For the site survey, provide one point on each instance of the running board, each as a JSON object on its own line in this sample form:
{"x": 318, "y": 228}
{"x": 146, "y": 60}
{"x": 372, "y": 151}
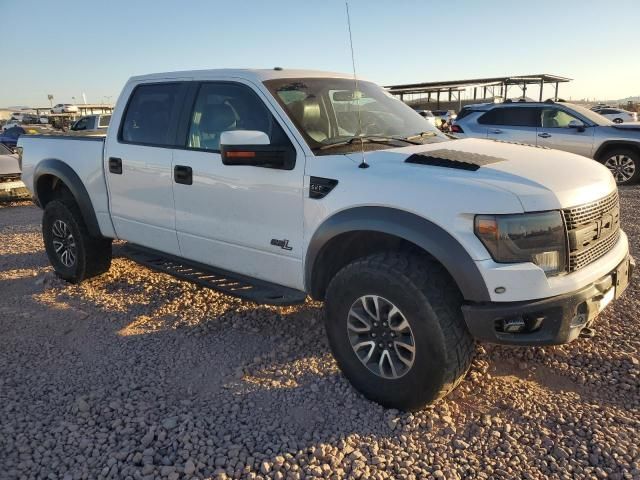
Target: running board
{"x": 223, "y": 281}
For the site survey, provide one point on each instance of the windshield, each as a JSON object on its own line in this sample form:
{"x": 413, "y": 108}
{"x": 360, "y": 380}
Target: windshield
{"x": 4, "y": 150}
{"x": 590, "y": 115}
{"x": 330, "y": 111}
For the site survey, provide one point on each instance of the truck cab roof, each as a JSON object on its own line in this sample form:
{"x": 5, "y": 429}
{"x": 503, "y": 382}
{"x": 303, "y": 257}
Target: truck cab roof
{"x": 256, "y": 75}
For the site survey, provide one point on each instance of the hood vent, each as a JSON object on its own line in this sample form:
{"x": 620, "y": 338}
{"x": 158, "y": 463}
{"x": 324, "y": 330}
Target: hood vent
{"x": 453, "y": 159}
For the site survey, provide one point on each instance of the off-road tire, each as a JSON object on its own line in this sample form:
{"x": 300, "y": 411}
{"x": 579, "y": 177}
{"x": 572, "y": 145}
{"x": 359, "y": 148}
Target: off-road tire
{"x": 429, "y": 300}
{"x": 93, "y": 255}
{"x": 623, "y": 152}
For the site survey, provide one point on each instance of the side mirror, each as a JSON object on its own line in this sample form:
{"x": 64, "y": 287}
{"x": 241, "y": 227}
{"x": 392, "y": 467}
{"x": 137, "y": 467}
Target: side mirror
{"x": 253, "y": 148}
{"x": 577, "y": 124}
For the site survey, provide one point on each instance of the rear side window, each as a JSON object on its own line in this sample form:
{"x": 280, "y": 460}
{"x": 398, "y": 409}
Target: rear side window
{"x": 149, "y": 115}
{"x": 104, "y": 120}
{"x": 512, "y": 116}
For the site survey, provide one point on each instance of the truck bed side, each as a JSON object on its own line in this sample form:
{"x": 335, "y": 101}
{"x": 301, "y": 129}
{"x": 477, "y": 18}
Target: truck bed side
{"x": 83, "y": 155}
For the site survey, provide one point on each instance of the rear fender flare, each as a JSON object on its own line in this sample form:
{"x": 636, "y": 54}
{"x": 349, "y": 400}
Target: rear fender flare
{"x": 62, "y": 171}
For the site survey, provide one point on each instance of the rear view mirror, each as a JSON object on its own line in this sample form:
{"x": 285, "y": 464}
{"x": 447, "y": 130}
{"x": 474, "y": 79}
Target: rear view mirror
{"x": 577, "y": 124}
{"x": 253, "y": 148}
{"x": 346, "y": 96}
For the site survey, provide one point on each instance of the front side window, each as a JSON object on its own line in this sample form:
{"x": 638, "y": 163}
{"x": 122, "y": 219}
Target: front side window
{"x": 81, "y": 124}
{"x": 149, "y": 114}
{"x": 331, "y": 111}
{"x": 220, "y": 107}
{"x": 556, "y": 118}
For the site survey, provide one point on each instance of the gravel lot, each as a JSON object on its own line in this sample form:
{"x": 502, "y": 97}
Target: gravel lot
{"x": 138, "y": 375}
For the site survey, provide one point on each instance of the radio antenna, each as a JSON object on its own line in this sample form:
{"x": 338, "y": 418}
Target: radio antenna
{"x": 363, "y": 163}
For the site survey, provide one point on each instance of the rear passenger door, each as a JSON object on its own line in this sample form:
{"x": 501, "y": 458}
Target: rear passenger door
{"x": 512, "y": 124}
{"x": 138, "y": 166}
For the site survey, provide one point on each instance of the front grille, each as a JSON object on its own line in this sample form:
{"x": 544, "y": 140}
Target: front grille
{"x": 581, "y": 259}
{"x": 593, "y": 229}
{"x": 11, "y": 177}
{"x": 587, "y": 213}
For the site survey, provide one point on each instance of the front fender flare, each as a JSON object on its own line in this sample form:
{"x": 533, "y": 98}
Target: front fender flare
{"x": 59, "y": 169}
{"x": 410, "y": 227}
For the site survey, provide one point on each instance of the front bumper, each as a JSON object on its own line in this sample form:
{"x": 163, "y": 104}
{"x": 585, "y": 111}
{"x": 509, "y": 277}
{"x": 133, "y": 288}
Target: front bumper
{"x": 14, "y": 190}
{"x": 548, "y": 321}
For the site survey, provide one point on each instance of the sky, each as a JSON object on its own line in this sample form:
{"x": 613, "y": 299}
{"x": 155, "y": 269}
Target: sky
{"x": 68, "y": 47}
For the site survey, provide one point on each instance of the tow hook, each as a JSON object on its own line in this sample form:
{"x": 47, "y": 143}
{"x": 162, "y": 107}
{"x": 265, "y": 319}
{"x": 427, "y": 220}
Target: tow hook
{"x": 587, "y": 332}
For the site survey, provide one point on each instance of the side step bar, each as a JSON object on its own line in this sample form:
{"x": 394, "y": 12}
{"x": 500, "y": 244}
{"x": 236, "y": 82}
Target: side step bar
{"x": 223, "y": 281}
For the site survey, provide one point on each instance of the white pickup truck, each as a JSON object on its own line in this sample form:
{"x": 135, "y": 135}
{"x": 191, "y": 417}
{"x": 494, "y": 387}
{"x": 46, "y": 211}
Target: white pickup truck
{"x": 275, "y": 185}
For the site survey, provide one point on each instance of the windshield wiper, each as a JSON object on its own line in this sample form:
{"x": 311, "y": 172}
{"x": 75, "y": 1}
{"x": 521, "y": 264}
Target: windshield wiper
{"x": 427, "y": 133}
{"x": 368, "y": 139}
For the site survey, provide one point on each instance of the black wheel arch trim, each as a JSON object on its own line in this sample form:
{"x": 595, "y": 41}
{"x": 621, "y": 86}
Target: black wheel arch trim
{"x": 410, "y": 227}
{"x": 68, "y": 176}
{"x": 616, "y": 143}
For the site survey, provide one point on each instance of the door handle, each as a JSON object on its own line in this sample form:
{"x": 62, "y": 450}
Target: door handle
{"x": 115, "y": 165}
{"x": 183, "y": 174}
{"x": 496, "y": 130}
{"x": 544, "y": 135}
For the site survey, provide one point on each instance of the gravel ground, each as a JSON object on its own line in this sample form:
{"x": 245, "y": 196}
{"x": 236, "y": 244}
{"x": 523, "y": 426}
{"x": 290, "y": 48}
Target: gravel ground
{"x": 137, "y": 375}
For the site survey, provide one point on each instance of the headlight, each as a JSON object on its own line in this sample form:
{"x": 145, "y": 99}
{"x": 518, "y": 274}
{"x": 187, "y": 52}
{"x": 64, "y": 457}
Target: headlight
{"x": 530, "y": 237}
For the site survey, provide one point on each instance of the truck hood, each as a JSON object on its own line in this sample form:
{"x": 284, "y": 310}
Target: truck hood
{"x": 541, "y": 178}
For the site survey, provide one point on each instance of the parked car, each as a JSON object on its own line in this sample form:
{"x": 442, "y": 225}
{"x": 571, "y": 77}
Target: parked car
{"x": 446, "y": 115}
{"x": 10, "y": 124}
{"x": 557, "y": 125}
{"x": 10, "y": 136}
{"x": 92, "y": 123}
{"x": 11, "y": 187}
{"x": 64, "y": 108}
{"x": 617, "y": 115}
{"x": 428, "y": 115}
{"x": 252, "y": 182}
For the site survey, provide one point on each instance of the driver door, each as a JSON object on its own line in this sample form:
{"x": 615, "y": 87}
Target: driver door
{"x": 556, "y": 132}
{"x": 242, "y": 218}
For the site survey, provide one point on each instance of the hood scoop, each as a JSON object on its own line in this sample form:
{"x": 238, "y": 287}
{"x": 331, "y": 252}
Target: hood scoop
{"x": 453, "y": 159}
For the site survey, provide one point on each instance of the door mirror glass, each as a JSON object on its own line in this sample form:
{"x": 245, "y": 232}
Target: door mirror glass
{"x": 577, "y": 124}
{"x": 244, "y": 137}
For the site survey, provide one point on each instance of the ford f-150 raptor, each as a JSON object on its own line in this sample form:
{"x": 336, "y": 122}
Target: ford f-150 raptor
{"x": 275, "y": 185}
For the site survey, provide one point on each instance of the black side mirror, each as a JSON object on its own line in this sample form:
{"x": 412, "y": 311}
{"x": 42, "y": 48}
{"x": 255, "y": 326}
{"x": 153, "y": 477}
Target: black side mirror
{"x": 577, "y": 124}
{"x": 250, "y": 147}
{"x": 269, "y": 156}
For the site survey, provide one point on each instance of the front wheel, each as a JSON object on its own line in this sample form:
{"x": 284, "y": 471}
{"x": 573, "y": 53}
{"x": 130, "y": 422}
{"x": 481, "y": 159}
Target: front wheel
{"x": 624, "y": 165}
{"x": 74, "y": 254}
{"x": 396, "y": 329}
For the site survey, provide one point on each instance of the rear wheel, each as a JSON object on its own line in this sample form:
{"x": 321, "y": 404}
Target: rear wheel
{"x": 74, "y": 254}
{"x": 396, "y": 329}
{"x": 624, "y": 165}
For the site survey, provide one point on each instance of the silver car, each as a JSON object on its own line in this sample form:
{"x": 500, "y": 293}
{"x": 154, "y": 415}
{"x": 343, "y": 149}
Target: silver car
{"x": 560, "y": 125}
{"x": 11, "y": 187}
